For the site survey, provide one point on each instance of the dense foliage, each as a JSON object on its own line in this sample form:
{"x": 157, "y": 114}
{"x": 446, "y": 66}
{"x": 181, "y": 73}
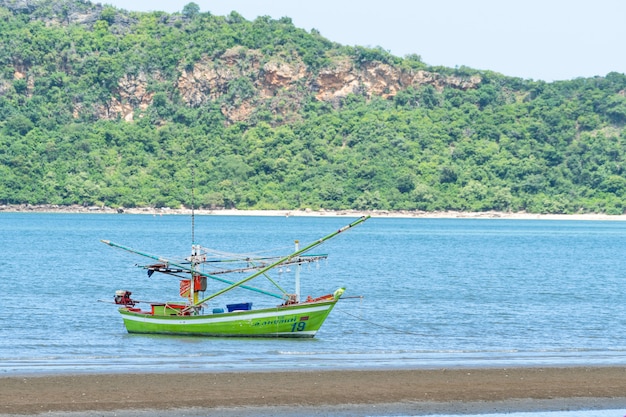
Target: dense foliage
{"x": 507, "y": 144}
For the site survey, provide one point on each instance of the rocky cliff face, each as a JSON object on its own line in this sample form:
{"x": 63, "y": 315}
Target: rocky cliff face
{"x": 240, "y": 76}
{"x": 130, "y": 95}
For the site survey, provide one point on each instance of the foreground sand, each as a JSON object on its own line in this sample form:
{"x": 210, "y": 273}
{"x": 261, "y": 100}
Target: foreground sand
{"x": 346, "y": 392}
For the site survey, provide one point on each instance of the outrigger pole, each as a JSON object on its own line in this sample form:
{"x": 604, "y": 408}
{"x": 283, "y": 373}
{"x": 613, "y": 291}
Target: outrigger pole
{"x": 280, "y": 261}
{"x": 186, "y": 268}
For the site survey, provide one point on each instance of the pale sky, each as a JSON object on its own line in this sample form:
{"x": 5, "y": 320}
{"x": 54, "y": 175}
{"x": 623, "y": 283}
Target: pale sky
{"x": 533, "y": 39}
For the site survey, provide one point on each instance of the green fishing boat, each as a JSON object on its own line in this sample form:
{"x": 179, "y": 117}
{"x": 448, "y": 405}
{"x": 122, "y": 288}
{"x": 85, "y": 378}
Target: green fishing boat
{"x": 290, "y": 317}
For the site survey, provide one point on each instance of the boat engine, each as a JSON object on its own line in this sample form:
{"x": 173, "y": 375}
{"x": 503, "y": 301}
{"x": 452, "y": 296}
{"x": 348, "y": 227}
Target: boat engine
{"x": 123, "y": 297}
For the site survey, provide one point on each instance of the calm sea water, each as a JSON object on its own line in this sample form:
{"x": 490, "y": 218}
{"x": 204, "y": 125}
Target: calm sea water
{"x": 436, "y": 293}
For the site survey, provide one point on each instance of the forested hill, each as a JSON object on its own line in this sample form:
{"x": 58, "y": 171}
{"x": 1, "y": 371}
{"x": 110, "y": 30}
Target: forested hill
{"x": 101, "y": 106}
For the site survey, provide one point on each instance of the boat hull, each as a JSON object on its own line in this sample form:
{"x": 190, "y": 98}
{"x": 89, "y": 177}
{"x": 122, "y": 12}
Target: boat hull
{"x": 294, "y": 321}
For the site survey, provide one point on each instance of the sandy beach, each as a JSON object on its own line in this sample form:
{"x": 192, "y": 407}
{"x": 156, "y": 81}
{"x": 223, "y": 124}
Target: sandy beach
{"x": 50, "y": 208}
{"x": 341, "y": 392}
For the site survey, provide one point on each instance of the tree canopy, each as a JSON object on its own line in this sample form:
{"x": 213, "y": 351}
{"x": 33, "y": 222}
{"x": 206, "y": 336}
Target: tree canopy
{"x": 100, "y": 106}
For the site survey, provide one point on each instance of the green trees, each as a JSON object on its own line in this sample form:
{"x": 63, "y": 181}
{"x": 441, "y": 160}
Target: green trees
{"x": 191, "y": 10}
{"x": 103, "y": 111}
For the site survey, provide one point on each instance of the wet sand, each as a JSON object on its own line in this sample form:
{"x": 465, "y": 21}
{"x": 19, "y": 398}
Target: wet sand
{"x": 315, "y": 393}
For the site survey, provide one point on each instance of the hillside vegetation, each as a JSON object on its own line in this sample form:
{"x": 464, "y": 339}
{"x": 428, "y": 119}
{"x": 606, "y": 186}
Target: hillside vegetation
{"x": 100, "y": 106}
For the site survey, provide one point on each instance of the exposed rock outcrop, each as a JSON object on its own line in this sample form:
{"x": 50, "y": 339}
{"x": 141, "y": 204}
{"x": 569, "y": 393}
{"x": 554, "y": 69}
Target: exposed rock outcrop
{"x": 238, "y": 79}
{"x": 213, "y": 78}
{"x": 130, "y": 95}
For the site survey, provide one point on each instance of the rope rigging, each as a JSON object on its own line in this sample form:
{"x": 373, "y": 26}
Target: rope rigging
{"x": 393, "y": 329}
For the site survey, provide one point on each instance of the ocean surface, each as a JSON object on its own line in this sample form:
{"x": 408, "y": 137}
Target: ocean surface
{"x": 435, "y": 293}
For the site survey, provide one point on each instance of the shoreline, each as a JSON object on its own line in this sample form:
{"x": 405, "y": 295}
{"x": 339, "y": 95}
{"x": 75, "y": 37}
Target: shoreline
{"x": 315, "y": 393}
{"x": 75, "y": 209}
